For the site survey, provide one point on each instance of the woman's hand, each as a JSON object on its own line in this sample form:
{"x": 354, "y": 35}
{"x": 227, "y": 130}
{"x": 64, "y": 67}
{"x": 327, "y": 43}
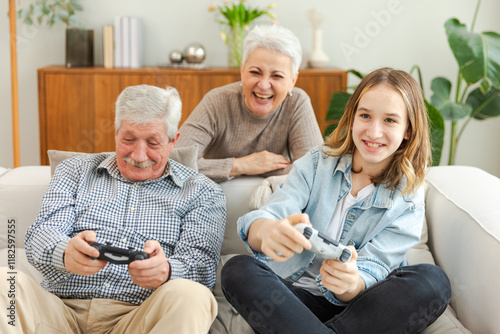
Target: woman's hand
{"x": 258, "y": 163}
{"x": 278, "y": 239}
{"x": 342, "y": 278}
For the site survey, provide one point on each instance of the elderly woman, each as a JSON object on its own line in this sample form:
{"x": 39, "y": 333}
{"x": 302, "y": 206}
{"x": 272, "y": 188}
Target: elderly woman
{"x": 260, "y": 125}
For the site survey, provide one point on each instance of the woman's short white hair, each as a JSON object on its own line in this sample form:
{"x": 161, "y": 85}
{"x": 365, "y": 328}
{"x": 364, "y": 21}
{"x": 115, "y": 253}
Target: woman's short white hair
{"x": 274, "y": 38}
{"x": 144, "y": 104}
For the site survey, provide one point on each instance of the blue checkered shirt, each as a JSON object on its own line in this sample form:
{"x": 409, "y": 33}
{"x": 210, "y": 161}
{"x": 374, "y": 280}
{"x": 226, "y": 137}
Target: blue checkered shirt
{"x": 183, "y": 210}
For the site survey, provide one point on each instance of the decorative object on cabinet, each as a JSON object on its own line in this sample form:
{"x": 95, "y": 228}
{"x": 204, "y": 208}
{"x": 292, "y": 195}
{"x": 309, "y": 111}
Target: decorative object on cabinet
{"x": 195, "y": 53}
{"x": 79, "y": 47}
{"x": 235, "y": 18}
{"x": 176, "y": 57}
{"x": 318, "y": 57}
{"x": 76, "y": 107}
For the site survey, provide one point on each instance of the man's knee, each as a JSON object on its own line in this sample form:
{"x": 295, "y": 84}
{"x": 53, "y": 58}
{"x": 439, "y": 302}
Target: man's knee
{"x": 188, "y": 293}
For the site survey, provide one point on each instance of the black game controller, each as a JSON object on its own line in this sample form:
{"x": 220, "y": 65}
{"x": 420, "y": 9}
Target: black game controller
{"x": 117, "y": 255}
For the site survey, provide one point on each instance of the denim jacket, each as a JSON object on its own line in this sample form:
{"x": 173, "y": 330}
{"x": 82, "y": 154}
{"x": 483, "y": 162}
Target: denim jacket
{"x": 382, "y": 227}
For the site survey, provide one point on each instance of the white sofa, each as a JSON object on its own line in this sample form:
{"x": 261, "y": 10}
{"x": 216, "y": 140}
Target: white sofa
{"x": 463, "y": 218}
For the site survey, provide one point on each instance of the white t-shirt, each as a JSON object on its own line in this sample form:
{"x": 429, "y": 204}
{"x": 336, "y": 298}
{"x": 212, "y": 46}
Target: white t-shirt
{"x": 308, "y": 280}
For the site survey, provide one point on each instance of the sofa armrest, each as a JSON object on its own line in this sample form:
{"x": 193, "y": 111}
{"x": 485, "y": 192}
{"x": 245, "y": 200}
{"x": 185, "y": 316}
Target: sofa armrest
{"x": 21, "y": 191}
{"x": 463, "y": 210}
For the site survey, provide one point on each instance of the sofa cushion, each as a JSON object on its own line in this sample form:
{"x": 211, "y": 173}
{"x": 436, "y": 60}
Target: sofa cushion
{"x": 188, "y": 156}
{"x": 238, "y": 192}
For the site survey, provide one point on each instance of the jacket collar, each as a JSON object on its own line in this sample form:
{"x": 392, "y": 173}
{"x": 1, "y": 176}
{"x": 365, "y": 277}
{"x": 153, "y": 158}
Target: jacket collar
{"x": 381, "y": 197}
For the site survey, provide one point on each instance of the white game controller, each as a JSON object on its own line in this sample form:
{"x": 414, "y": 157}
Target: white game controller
{"x": 323, "y": 246}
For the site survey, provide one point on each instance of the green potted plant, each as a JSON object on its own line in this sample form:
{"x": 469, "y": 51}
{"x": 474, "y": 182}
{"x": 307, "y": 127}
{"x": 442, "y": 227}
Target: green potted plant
{"x": 79, "y": 41}
{"x": 235, "y": 19}
{"x": 477, "y": 91}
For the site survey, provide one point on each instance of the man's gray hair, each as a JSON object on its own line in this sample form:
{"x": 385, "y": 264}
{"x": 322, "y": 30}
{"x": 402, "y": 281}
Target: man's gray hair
{"x": 144, "y": 104}
{"x": 274, "y": 38}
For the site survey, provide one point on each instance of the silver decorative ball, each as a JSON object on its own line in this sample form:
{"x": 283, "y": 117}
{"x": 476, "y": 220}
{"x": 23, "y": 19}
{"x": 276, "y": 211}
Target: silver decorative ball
{"x": 176, "y": 57}
{"x": 195, "y": 53}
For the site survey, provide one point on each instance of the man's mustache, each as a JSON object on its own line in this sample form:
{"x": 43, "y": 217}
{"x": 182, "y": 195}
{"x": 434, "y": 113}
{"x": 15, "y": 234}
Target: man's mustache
{"x": 141, "y": 164}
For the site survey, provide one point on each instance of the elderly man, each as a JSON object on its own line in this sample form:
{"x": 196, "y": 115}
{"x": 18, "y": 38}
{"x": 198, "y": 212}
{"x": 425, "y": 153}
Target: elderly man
{"x": 134, "y": 198}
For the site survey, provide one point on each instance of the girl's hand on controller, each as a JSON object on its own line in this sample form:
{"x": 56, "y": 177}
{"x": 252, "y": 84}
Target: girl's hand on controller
{"x": 278, "y": 239}
{"x": 342, "y": 279}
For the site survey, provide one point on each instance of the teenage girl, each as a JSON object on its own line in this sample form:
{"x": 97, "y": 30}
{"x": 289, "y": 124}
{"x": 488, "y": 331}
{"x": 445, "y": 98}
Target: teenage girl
{"x": 363, "y": 188}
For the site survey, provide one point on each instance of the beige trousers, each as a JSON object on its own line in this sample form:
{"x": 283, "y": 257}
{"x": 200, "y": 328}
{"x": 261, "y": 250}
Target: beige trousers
{"x": 178, "y": 306}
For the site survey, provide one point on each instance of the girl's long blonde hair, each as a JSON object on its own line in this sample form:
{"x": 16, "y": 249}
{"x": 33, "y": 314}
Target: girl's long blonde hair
{"x": 412, "y": 156}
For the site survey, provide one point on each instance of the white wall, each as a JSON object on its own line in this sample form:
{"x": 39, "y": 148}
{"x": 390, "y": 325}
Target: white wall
{"x": 401, "y": 33}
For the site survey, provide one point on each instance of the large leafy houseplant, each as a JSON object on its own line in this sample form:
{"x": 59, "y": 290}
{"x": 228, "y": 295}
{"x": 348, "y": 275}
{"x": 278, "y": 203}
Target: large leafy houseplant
{"x": 477, "y": 92}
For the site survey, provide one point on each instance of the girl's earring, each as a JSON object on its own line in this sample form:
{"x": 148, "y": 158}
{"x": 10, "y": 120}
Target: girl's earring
{"x": 290, "y": 93}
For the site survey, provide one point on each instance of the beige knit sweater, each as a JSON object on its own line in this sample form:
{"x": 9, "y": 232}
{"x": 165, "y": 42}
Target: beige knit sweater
{"x": 224, "y": 128}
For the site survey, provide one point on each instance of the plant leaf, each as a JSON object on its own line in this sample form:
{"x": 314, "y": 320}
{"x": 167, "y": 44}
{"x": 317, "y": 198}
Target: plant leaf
{"x": 329, "y": 129}
{"x": 484, "y": 105}
{"x": 356, "y": 73}
{"x": 436, "y": 130}
{"x": 441, "y": 87}
{"x": 337, "y": 106}
{"x": 478, "y": 55}
{"x": 336, "y": 110}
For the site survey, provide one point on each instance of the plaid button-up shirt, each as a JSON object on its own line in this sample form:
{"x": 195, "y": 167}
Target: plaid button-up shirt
{"x": 183, "y": 210}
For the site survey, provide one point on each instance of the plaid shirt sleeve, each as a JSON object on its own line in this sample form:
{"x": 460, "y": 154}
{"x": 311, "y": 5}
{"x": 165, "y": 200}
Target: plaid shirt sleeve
{"x": 197, "y": 252}
{"x": 183, "y": 210}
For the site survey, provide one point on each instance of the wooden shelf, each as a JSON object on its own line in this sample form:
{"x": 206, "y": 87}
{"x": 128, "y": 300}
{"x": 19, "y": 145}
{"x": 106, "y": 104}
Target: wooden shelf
{"x": 76, "y": 105}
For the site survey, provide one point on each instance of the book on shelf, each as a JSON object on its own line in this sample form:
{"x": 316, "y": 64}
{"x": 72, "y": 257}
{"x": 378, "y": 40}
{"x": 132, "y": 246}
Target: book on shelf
{"x": 107, "y": 46}
{"x": 125, "y": 41}
{"x": 135, "y": 42}
{"x": 128, "y": 42}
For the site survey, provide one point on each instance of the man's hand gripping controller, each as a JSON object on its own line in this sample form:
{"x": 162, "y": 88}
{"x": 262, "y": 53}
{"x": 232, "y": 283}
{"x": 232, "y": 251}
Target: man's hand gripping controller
{"x": 117, "y": 255}
{"x": 324, "y": 246}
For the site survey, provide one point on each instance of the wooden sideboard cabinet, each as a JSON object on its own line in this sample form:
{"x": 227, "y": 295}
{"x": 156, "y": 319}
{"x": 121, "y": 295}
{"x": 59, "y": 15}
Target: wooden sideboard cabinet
{"x": 76, "y": 105}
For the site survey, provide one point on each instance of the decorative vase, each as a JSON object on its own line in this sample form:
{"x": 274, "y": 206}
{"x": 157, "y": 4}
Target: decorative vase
{"x": 318, "y": 57}
{"x": 79, "y": 48}
{"x": 235, "y": 40}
